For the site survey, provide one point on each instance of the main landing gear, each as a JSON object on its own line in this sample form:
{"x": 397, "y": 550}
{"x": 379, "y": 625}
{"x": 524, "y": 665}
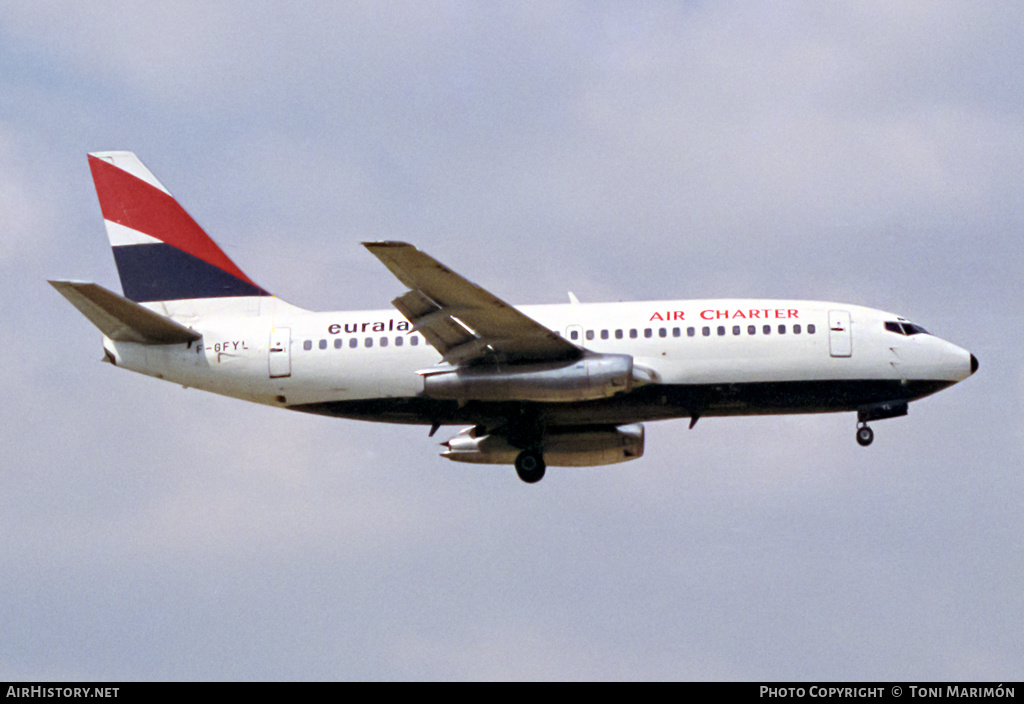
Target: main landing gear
{"x": 864, "y": 434}
{"x": 530, "y": 466}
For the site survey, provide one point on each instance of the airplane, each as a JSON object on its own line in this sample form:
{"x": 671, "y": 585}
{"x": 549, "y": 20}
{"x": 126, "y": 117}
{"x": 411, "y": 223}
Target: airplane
{"x": 535, "y": 386}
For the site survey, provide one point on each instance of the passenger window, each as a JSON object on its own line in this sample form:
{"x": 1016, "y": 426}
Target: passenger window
{"x": 648, "y": 332}
{"x": 337, "y": 343}
{"x": 706, "y": 331}
{"x": 574, "y": 335}
{"x": 662, "y": 332}
{"x": 414, "y": 340}
{"x": 782, "y": 329}
{"x": 590, "y": 334}
{"x": 399, "y": 341}
{"x": 796, "y": 329}
{"x": 323, "y": 344}
{"x": 810, "y": 329}
{"x": 632, "y": 334}
{"x": 369, "y": 342}
{"x": 676, "y": 332}
{"x": 383, "y": 342}
{"x": 618, "y": 334}
{"x": 735, "y": 329}
{"x": 353, "y": 343}
{"x": 307, "y": 345}
{"x": 604, "y": 334}
{"x": 767, "y": 329}
{"x": 751, "y": 329}
{"x": 690, "y": 332}
{"x": 721, "y": 330}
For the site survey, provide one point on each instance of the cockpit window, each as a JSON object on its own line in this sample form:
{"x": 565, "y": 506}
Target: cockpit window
{"x": 904, "y": 328}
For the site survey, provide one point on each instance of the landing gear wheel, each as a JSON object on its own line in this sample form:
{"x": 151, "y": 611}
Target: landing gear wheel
{"x": 530, "y": 466}
{"x": 865, "y": 435}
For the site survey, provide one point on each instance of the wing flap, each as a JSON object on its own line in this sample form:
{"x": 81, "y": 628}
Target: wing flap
{"x": 120, "y": 319}
{"x": 461, "y": 320}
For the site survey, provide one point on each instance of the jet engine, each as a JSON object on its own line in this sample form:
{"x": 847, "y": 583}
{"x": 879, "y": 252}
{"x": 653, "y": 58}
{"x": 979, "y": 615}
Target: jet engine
{"x": 560, "y": 448}
{"x": 591, "y": 377}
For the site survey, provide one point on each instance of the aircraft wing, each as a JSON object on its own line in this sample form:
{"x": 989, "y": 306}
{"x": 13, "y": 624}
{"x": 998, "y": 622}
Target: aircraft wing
{"x": 461, "y": 320}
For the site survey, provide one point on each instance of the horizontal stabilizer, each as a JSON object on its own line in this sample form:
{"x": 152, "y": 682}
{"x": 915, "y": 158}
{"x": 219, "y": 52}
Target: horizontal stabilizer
{"x": 120, "y": 319}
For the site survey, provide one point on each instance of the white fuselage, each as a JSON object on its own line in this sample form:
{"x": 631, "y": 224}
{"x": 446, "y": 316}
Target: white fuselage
{"x": 706, "y": 357}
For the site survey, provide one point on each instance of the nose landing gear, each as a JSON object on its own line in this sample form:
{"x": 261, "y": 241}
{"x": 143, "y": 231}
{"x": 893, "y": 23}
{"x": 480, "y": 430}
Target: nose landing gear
{"x": 876, "y": 411}
{"x": 864, "y": 434}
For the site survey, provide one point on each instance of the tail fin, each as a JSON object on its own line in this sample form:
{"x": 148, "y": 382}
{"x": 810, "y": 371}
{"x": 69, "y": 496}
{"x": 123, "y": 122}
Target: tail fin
{"x": 160, "y": 251}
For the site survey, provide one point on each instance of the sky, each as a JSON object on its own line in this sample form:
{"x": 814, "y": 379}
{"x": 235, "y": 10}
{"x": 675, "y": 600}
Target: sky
{"x": 860, "y": 151}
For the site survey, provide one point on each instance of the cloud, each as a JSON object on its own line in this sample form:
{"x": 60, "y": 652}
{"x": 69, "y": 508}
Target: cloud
{"x": 22, "y": 206}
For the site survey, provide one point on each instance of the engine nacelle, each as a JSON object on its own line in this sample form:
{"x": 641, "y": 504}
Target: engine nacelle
{"x": 570, "y": 448}
{"x": 589, "y": 378}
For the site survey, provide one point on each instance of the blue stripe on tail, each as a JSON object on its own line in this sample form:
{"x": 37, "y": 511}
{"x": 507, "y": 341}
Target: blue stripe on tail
{"x": 160, "y": 272}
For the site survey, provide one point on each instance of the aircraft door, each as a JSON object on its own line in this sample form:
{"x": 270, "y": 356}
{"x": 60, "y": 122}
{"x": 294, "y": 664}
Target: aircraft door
{"x": 840, "y": 338}
{"x": 279, "y": 357}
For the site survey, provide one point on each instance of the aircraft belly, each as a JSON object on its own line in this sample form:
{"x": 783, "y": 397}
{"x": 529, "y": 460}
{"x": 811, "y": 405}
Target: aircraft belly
{"x": 652, "y": 402}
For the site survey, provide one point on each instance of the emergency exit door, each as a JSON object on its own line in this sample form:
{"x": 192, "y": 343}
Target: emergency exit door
{"x": 279, "y": 358}
{"x": 840, "y": 339}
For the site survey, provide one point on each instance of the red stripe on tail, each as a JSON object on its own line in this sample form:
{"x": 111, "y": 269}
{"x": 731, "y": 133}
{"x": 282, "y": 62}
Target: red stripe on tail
{"x": 130, "y": 201}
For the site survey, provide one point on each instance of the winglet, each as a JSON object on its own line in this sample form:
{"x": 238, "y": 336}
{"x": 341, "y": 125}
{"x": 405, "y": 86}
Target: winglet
{"x": 120, "y": 319}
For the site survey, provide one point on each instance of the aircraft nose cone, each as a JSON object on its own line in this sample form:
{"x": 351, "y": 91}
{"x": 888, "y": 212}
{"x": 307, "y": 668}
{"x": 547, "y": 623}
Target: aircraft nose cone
{"x": 974, "y": 364}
